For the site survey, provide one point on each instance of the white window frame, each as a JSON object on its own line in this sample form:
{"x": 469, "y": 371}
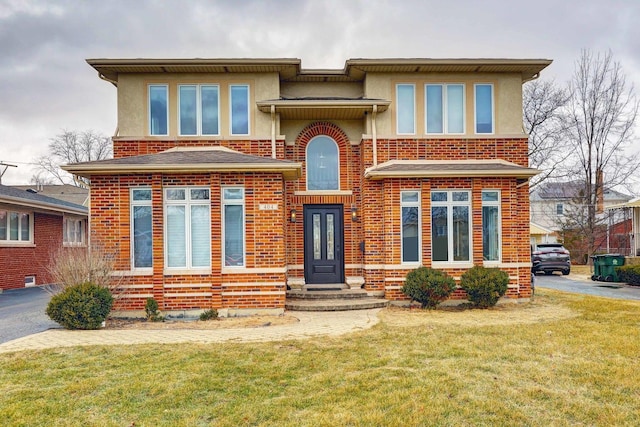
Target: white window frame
{"x": 187, "y": 203}
{"x": 166, "y": 89}
{"x": 19, "y": 242}
{"x": 413, "y": 132}
{"x": 248, "y": 109}
{"x": 133, "y": 203}
{"x": 498, "y": 204}
{"x": 234, "y": 202}
{"x": 306, "y": 157}
{"x": 445, "y": 109}
{"x": 66, "y": 220}
{"x": 449, "y": 204}
{"x": 412, "y": 204}
{"x": 475, "y": 109}
{"x": 198, "y": 109}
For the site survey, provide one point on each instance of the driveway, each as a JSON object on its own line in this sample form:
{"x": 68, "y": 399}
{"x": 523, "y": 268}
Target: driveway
{"x": 22, "y": 313}
{"x": 589, "y": 287}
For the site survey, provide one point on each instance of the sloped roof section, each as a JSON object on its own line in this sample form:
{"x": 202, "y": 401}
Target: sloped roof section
{"x": 448, "y": 168}
{"x": 15, "y": 196}
{"x": 188, "y": 160}
{"x": 66, "y": 192}
{"x": 570, "y": 190}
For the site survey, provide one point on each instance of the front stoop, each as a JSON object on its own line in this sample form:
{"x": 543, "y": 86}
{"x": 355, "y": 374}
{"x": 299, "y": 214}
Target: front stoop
{"x": 331, "y": 300}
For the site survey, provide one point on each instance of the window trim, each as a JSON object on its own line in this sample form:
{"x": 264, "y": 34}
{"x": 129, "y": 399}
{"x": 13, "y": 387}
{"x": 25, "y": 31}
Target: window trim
{"x": 198, "y": 87}
{"x": 445, "y": 110}
{"x": 475, "y": 109}
{"x": 8, "y": 242}
{"x": 306, "y": 157}
{"x": 83, "y": 231}
{"x": 413, "y": 132}
{"x": 449, "y": 204}
{"x": 133, "y": 203}
{"x": 187, "y": 202}
{"x": 498, "y": 204}
{"x": 561, "y": 210}
{"x": 415, "y": 204}
{"x": 231, "y": 86}
{"x": 166, "y": 91}
{"x": 233, "y": 202}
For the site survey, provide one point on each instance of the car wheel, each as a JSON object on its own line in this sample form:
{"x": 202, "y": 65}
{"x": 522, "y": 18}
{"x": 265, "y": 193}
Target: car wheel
{"x": 565, "y": 272}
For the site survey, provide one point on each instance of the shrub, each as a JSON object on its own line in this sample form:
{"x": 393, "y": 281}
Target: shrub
{"x": 209, "y": 314}
{"x": 484, "y": 286}
{"x": 151, "y": 309}
{"x": 629, "y": 274}
{"x": 83, "y": 306}
{"x": 428, "y": 287}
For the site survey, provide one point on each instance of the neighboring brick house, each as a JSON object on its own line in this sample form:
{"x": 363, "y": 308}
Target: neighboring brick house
{"x": 234, "y": 179}
{"x": 33, "y": 229}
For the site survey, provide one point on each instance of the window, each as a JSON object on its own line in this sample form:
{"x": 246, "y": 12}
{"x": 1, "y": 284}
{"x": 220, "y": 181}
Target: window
{"x": 484, "y": 108}
{"x": 491, "y": 225}
{"x": 323, "y": 164}
{"x": 142, "y": 237}
{"x": 444, "y": 108}
{"x": 406, "y": 106}
{"x": 187, "y": 228}
{"x": 15, "y": 226}
{"x": 410, "y": 211}
{"x": 73, "y": 231}
{"x": 158, "y": 110}
{"x": 559, "y": 209}
{"x": 198, "y": 109}
{"x": 233, "y": 226}
{"x": 239, "y": 109}
{"x": 450, "y": 226}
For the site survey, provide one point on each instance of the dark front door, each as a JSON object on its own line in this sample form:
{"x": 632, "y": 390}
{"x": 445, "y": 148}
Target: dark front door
{"x": 323, "y": 242}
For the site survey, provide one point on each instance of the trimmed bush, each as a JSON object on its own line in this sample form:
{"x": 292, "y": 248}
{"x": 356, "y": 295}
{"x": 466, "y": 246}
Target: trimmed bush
{"x": 629, "y": 274}
{"x": 83, "y": 306}
{"x": 209, "y": 314}
{"x": 428, "y": 287}
{"x": 151, "y": 309}
{"x": 484, "y": 286}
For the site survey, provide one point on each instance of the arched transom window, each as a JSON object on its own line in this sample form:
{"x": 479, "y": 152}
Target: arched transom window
{"x": 323, "y": 164}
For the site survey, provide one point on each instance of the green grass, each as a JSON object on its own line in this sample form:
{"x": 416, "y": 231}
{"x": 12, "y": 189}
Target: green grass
{"x": 581, "y": 367}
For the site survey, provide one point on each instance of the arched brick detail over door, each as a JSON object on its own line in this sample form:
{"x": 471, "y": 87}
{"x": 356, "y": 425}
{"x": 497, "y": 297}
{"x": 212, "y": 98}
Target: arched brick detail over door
{"x": 340, "y": 137}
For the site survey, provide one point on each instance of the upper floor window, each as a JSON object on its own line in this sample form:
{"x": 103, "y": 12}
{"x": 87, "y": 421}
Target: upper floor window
{"x": 484, "y": 108}
{"x": 198, "y": 109}
{"x": 490, "y": 225}
{"x": 410, "y": 211}
{"x": 450, "y": 226}
{"x": 444, "y": 108}
{"x": 15, "y": 226}
{"x": 141, "y": 230}
{"x": 406, "y": 108}
{"x": 323, "y": 164}
{"x": 73, "y": 231}
{"x": 239, "y": 95}
{"x": 158, "y": 110}
{"x": 559, "y": 209}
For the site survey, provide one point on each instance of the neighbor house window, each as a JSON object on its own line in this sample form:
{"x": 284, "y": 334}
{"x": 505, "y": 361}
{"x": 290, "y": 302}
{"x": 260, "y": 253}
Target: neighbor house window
{"x": 491, "y": 225}
{"x": 559, "y": 209}
{"x": 15, "y": 226}
{"x": 444, "y": 108}
{"x": 410, "y": 213}
{"x": 141, "y": 231}
{"x": 187, "y": 228}
{"x": 323, "y": 164}
{"x": 450, "y": 226}
{"x": 484, "y": 108}
{"x": 158, "y": 109}
{"x": 73, "y": 231}
{"x": 198, "y": 109}
{"x": 406, "y": 108}
{"x": 239, "y": 109}
{"x": 233, "y": 226}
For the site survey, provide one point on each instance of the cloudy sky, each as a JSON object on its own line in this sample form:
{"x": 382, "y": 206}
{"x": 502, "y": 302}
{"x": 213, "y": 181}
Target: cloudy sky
{"x": 46, "y": 85}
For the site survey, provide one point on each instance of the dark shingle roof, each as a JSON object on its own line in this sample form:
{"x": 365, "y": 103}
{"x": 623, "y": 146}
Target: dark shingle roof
{"x": 66, "y": 192}
{"x": 16, "y": 196}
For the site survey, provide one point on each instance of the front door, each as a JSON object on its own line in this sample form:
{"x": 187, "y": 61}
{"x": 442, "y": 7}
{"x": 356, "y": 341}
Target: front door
{"x": 323, "y": 242}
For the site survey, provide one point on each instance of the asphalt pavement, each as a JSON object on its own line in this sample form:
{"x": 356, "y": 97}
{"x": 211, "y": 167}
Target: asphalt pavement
{"x": 22, "y": 313}
{"x": 584, "y": 285}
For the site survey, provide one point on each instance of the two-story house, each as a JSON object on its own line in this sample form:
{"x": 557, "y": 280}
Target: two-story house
{"x": 235, "y": 179}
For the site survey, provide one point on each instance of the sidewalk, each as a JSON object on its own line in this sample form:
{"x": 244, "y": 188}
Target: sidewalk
{"x": 310, "y": 324}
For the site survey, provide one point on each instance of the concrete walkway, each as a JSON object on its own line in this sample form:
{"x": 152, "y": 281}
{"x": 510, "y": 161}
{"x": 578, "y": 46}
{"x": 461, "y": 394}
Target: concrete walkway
{"x": 310, "y": 324}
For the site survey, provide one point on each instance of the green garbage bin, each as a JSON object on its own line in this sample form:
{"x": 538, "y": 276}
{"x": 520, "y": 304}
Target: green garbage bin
{"x": 597, "y": 270}
{"x": 608, "y": 264}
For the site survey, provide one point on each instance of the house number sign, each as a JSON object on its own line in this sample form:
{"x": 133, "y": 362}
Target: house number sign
{"x": 268, "y": 206}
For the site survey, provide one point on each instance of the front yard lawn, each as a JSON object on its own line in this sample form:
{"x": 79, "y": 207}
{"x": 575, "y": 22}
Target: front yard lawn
{"x": 577, "y": 363}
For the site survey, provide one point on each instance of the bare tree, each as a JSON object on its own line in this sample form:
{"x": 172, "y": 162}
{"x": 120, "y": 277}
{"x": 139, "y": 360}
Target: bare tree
{"x": 72, "y": 147}
{"x": 601, "y": 115}
{"x": 542, "y": 111}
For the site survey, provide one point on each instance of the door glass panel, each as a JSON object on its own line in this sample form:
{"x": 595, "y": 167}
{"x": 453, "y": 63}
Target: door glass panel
{"x": 317, "y": 251}
{"x": 330, "y": 237}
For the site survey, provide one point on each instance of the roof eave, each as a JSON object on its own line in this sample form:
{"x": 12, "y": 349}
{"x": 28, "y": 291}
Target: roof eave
{"x": 41, "y": 205}
{"x": 375, "y": 175}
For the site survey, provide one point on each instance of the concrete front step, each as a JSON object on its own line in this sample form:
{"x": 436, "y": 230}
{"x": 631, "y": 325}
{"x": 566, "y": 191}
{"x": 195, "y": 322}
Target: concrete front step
{"x": 330, "y": 294}
{"x": 333, "y": 304}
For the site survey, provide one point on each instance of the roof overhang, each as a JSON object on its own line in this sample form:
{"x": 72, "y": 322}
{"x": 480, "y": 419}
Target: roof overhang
{"x": 448, "y": 168}
{"x": 197, "y": 160}
{"x": 634, "y": 203}
{"x": 537, "y": 229}
{"x": 35, "y": 204}
{"x": 335, "y": 109}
